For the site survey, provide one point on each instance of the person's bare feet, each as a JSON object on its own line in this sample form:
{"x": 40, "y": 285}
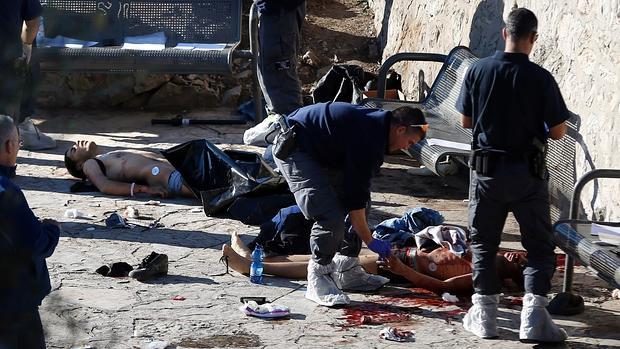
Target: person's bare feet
{"x": 240, "y": 248}
{"x": 235, "y": 261}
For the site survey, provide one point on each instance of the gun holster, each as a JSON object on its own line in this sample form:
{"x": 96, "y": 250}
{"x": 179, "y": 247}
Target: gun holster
{"x": 285, "y": 140}
{"x": 482, "y": 161}
{"x": 538, "y": 160}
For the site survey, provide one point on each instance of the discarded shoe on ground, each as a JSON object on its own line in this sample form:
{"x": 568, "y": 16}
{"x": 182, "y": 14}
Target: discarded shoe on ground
{"x": 155, "y": 264}
{"x": 118, "y": 269}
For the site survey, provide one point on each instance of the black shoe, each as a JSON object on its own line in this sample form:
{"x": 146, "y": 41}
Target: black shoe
{"x": 154, "y": 265}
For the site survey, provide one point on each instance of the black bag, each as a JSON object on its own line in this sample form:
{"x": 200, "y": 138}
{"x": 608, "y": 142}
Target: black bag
{"x": 218, "y": 177}
{"x": 342, "y": 83}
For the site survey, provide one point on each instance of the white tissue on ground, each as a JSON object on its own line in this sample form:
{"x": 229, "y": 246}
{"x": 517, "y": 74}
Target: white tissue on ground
{"x": 447, "y": 297}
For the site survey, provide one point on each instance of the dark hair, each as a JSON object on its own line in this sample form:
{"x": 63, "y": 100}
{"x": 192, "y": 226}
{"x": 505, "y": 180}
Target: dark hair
{"x": 405, "y": 116}
{"x": 72, "y": 167}
{"x": 408, "y": 116}
{"x": 520, "y": 23}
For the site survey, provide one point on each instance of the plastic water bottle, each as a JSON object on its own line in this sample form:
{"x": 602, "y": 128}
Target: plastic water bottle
{"x": 256, "y": 268}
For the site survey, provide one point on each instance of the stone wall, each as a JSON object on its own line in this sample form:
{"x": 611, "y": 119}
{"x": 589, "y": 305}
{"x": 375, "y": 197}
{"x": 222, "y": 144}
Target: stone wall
{"x": 577, "y": 42}
{"x": 144, "y": 91}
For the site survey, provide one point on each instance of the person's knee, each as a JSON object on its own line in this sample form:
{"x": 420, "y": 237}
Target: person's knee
{"x": 333, "y": 223}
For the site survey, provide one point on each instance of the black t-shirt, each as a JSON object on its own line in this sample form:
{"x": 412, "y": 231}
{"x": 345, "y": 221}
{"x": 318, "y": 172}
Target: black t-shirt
{"x": 12, "y": 15}
{"x": 274, "y": 6}
{"x": 512, "y": 101}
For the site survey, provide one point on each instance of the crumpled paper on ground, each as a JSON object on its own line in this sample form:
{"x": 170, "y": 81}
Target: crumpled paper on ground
{"x": 396, "y": 335}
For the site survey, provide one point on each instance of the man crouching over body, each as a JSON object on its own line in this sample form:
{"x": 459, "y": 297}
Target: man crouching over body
{"x": 336, "y": 149}
{"x": 125, "y": 172}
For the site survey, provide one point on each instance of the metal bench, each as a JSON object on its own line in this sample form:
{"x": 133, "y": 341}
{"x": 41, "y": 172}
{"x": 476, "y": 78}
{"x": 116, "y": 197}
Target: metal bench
{"x": 108, "y": 22}
{"x": 438, "y": 105}
{"x": 574, "y": 237}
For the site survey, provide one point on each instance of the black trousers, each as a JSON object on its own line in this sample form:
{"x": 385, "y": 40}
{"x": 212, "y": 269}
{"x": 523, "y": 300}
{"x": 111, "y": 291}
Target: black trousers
{"x": 11, "y": 85}
{"x": 23, "y": 332}
{"x": 511, "y": 188}
{"x": 18, "y": 88}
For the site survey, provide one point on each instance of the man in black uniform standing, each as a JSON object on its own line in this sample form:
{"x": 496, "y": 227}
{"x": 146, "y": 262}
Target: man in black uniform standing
{"x": 513, "y": 107}
{"x": 279, "y": 35}
{"x": 19, "y": 23}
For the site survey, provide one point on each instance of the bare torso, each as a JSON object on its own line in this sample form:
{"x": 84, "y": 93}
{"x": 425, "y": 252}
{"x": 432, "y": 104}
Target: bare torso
{"x": 137, "y": 166}
{"x": 443, "y": 264}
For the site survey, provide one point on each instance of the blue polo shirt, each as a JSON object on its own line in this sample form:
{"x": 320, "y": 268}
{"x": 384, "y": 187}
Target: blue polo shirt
{"x": 512, "y": 101}
{"x": 345, "y": 137}
{"x": 12, "y": 15}
{"x": 274, "y": 6}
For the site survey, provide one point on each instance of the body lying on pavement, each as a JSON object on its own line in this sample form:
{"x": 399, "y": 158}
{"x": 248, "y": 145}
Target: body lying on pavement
{"x": 125, "y": 172}
{"x": 438, "y": 270}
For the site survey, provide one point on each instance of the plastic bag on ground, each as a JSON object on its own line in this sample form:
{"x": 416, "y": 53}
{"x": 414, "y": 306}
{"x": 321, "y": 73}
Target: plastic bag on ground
{"x": 218, "y": 176}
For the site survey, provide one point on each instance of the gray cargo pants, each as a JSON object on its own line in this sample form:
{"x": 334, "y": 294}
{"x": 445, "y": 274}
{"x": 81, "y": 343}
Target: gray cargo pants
{"x": 318, "y": 193}
{"x": 278, "y": 36}
{"x": 512, "y": 188}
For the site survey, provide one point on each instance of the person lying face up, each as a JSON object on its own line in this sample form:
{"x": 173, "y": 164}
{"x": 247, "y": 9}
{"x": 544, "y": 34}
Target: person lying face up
{"x": 124, "y": 172}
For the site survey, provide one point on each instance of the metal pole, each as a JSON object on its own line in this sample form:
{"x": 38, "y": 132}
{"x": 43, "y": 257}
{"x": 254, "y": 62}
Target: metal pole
{"x": 405, "y": 56}
{"x": 253, "y": 33}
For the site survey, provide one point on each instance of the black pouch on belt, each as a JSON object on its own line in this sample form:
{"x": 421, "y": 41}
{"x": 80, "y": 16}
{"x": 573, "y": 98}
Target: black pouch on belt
{"x": 285, "y": 141}
{"x": 483, "y": 162}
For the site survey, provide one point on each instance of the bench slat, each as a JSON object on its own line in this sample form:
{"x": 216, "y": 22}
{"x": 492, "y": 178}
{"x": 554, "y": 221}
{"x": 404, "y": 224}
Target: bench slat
{"x": 110, "y": 60}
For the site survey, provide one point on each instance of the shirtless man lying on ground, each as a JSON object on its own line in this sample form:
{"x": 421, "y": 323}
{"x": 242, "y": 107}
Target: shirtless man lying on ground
{"x": 125, "y": 172}
{"x": 438, "y": 271}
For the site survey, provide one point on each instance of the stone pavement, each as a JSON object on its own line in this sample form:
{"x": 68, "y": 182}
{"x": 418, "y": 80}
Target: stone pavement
{"x": 90, "y": 311}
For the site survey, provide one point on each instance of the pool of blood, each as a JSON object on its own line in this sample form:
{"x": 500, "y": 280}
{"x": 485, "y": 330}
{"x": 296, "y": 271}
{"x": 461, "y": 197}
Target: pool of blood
{"x": 395, "y": 307}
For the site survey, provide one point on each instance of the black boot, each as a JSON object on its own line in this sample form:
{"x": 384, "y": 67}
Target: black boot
{"x": 154, "y": 265}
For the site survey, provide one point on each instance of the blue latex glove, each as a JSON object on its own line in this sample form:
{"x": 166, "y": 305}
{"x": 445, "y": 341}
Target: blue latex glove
{"x": 381, "y": 247}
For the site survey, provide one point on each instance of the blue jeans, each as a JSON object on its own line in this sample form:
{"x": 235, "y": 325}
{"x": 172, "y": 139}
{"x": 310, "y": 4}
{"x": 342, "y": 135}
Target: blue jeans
{"x": 511, "y": 188}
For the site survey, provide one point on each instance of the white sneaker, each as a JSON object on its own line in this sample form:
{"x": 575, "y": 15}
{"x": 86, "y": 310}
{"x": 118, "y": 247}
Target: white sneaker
{"x": 321, "y": 288}
{"x": 32, "y": 138}
{"x": 536, "y": 323}
{"x": 349, "y": 275}
{"x": 481, "y": 319}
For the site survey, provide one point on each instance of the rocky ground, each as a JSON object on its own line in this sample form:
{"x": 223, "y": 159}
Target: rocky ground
{"x": 86, "y": 310}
